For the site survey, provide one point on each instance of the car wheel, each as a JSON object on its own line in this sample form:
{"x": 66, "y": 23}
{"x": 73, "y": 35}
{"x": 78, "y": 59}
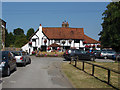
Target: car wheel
{"x": 105, "y": 57}
{"x": 24, "y": 64}
{"x": 8, "y": 72}
{"x": 92, "y": 59}
{"x": 29, "y": 61}
{"x": 15, "y": 69}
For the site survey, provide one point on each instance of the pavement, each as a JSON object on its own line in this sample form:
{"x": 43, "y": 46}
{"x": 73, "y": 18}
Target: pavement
{"x": 41, "y": 73}
{"x": 104, "y": 60}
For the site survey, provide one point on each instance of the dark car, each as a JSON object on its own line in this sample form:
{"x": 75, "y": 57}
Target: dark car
{"x": 118, "y": 56}
{"x": 82, "y": 55}
{"x": 22, "y": 57}
{"x": 95, "y": 52}
{"x": 7, "y": 63}
{"x": 110, "y": 54}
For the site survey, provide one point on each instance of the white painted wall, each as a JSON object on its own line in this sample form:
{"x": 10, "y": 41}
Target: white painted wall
{"x": 40, "y": 42}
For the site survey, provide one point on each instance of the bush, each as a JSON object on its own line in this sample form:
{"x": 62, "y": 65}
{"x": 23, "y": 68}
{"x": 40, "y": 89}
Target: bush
{"x": 49, "y": 54}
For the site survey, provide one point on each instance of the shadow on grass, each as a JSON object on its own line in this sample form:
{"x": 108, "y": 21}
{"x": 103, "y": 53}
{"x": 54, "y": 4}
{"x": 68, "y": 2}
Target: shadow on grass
{"x": 97, "y": 78}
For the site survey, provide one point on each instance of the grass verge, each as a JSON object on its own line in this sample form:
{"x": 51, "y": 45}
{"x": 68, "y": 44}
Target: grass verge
{"x": 80, "y": 79}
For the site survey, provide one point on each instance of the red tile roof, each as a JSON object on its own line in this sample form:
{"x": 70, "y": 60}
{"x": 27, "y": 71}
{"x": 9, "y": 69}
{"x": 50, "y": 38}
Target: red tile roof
{"x": 90, "y": 40}
{"x": 63, "y": 33}
{"x": 66, "y": 33}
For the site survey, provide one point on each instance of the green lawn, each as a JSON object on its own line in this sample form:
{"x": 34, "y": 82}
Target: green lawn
{"x": 80, "y": 79}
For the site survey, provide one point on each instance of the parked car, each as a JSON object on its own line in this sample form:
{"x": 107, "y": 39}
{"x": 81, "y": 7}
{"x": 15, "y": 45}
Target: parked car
{"x": 22, "y": 57}
{"x": 7, "y": 63}
{"x": 95, "y": 52}
{"x": 111, "y": 54}
{"x": 118, "y": 56}
{"x": 82, "y": 55}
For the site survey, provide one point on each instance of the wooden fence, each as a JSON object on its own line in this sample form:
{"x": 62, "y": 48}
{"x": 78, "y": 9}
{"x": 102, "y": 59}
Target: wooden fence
{"x": 11, "y": 49}
{"x": 93, "y": 69}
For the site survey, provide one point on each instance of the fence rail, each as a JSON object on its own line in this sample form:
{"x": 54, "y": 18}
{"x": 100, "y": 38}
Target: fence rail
{"x": 93, "y": 68}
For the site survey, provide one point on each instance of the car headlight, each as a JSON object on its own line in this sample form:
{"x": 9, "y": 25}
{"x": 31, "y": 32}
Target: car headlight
{"x": 2, "y": 64}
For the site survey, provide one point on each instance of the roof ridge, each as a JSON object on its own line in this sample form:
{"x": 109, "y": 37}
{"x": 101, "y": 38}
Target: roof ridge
{"x": 61, "y": 27}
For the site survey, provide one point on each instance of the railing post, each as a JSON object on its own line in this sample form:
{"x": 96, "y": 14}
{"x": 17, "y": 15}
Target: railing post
{"x": 108, "y": 76}
{"x": 83, "y": 65}
{"x": 76, "y": 62}
{"x": 70, "y": 61}
{"x": 93, "y": 70}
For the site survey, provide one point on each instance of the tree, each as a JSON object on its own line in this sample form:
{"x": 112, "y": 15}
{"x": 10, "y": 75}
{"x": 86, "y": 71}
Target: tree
{"x": 18, "y": 31}
{"x": 11, "y": 39}
{"x": 6, "y": 38}
{"x": 110, "y": 34}
{"x": 29, "y": 33}
{"x": 20, "y": 42}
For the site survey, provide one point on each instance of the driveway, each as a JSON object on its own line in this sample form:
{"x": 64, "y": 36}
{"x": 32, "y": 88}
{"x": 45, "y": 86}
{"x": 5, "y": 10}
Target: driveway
{"x": 41, "y": 73}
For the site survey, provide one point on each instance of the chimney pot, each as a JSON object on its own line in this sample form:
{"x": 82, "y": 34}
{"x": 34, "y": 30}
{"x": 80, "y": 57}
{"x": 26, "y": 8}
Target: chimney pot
{"x": 40, "y": 25}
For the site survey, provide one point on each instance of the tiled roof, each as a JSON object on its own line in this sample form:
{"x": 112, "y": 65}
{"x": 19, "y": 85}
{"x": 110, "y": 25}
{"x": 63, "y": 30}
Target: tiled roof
{"x": 63, "y": 33}
{"x": 90, "y": 40}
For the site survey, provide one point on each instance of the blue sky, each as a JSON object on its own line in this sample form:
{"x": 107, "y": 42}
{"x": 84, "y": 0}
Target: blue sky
{"x": 25, "y": 15}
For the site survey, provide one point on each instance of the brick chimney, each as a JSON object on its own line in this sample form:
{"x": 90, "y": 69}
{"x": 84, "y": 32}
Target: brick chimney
{"x": 65, "y": 24}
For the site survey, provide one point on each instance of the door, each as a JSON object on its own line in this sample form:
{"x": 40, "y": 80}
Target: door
{"x": 11, "y": 61}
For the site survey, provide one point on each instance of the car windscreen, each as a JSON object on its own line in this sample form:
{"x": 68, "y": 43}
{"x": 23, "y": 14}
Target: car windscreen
{"x": 104, "y": 52}
{"x": 3, "y": 55}
{"x": 16, "y": 53}
{"x": 111, "y": 52}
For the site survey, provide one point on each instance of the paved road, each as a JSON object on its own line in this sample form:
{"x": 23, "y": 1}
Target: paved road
{"x": 104, "y": 60}
{"x": 41, "y": 73}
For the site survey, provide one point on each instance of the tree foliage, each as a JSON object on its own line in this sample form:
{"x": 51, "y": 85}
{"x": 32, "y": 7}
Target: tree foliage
{"x": 18, "y": 39}
{"x": 20, "y": 42}
{"x": 110, "y": 34}
{"x": 18, "y": 31}
{"x": 29, "y": 33}
{"x": 6, "y": 38}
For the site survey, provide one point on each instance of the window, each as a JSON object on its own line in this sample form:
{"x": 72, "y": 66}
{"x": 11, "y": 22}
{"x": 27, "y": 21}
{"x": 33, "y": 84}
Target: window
{"x": 34, "y": 40}
{"x": 57, "y": 41}
{"x": 77, "y": 41}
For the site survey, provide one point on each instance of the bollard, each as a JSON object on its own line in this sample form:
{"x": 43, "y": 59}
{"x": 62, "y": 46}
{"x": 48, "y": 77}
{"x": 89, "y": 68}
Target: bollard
{"x": 70, "y": 60}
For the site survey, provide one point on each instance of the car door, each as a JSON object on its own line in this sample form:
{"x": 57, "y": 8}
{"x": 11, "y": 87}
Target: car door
{"x": 80, "y": 55}
{"x": 85, "y": 55}
{"x": 13, "y": 60}
{"x": 10, "y": 61}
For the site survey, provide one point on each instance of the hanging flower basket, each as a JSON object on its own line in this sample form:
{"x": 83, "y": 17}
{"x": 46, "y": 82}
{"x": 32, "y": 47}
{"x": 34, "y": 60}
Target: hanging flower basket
{"x": 84, "y": 42}
{"x": 93, "y": 46}
{"x": 98, "y": 46}
{"x": 70, "y": 41}
{"x": 86, "y": 46}
{"x": 89, "y": 46}
{"x": 58, "y": 49}
{"x": 48, "y": 48}
{"x": 45, "y": 41}
{"x": 30, "y": 43}
{"x": 63, "y": 42}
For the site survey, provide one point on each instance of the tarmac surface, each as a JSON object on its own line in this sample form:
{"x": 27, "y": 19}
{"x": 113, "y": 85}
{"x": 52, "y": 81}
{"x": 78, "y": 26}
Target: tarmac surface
{"x": 41, "y": 73}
